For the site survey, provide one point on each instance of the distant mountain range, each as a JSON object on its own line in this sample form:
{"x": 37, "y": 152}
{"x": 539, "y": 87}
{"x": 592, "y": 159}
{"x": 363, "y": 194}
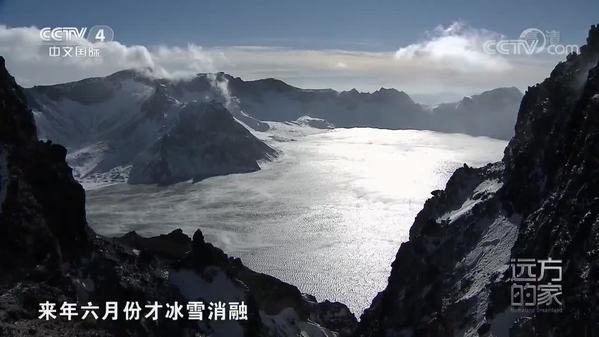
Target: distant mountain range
{"x": 492, "y": 113}
{"x": 131, "y": 126}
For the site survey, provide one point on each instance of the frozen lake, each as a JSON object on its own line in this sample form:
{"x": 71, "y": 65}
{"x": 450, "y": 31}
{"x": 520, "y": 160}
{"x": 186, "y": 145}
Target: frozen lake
{"x": 327, "y": 216}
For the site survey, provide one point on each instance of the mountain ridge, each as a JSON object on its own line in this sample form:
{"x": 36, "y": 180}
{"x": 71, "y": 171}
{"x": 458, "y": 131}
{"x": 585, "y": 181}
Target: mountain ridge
{"x": 109, "y": 124}
{"x": 272, "y": 99}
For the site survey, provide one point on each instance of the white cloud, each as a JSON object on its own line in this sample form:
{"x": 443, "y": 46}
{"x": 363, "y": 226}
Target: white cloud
{"x": 449, "y": 60}
{"x": 457, "y": 47}
{"x": 27, "y": 58}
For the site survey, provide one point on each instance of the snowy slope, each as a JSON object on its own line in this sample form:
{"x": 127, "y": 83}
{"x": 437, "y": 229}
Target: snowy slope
{"x": 120, "y": 124}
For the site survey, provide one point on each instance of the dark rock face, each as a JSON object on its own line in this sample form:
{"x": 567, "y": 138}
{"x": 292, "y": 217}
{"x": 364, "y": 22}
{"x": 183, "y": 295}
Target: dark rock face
{"x": 174, "y": 245}
{"x": 450, "y": 279}
{"x": 42, "y": 202}
{"x": 46, "y": 248}
{"x": 204, "y": 142}
{"x": 552, "y": 167}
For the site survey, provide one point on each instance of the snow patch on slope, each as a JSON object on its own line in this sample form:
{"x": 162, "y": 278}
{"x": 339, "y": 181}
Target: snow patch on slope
{"x": 485, "y": 264}
{"x": 491, "y": 255}
{"x": 285, "y": 132}
{"x": 480, "y": 193}
{"x": 84, "y": 160}
{"x": 116, "y": 175}
{"x": 318, "y": 123}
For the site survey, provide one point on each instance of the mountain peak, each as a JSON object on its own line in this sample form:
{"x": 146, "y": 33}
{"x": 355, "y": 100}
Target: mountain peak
{"x": 593, "y": 39}
{"x": 133, "y": 73}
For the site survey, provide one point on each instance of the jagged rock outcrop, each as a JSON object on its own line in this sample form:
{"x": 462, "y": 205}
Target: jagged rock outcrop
{"x": 270, "y": 299}
{"x": 452, "y": 279}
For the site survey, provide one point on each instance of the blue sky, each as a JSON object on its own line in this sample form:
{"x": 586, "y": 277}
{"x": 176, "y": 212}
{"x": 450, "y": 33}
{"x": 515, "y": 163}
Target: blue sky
{"x": 344, "y": 24}
{"x": 430, "y": 49}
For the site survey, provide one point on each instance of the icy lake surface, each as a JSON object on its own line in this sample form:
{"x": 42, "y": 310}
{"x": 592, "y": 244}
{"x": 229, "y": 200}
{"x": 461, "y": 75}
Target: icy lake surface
{"x": 327, "y": 216}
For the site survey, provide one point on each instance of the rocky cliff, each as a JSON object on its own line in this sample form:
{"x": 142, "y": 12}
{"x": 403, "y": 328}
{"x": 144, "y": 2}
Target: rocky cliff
{"x": 542, "y": 201}
{"x": 40, "y": 200}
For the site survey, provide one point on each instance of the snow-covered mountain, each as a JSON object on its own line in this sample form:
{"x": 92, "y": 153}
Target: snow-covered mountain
{"x": 156, "y": 130}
